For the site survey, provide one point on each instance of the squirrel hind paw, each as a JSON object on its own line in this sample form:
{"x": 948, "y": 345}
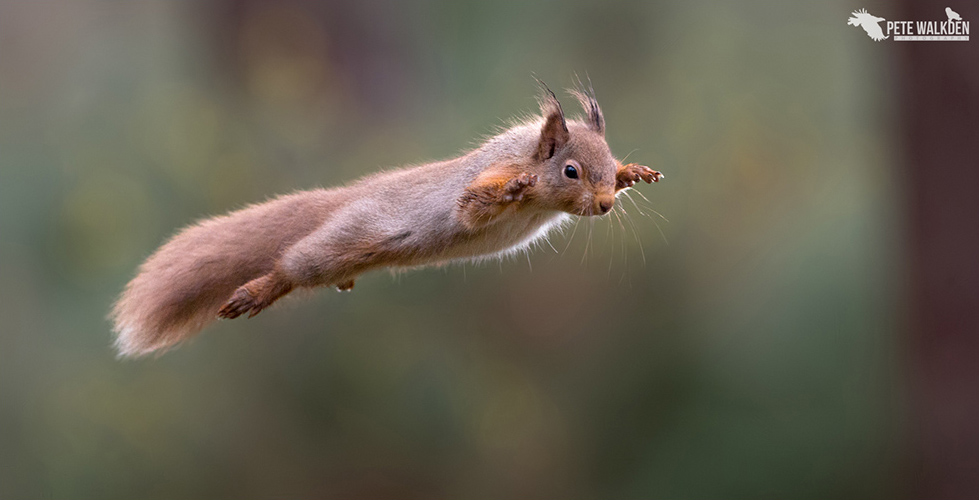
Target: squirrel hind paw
{"x": 254, "y": 296}
{"x": 241, "y": 301}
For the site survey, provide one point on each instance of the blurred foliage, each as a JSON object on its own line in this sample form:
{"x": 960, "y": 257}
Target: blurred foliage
{"x": 748, "y": 348}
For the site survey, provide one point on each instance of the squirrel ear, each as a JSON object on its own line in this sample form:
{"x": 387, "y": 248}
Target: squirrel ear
{"x": 554, "y": 133}
{"x": 596, "y": 120}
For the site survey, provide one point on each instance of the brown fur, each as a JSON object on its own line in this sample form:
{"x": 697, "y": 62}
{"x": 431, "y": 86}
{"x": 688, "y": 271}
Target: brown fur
{"x": 493, "y": 200}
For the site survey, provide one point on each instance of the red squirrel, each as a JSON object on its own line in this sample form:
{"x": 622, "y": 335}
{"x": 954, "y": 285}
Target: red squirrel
{"x": 494, "y": 200}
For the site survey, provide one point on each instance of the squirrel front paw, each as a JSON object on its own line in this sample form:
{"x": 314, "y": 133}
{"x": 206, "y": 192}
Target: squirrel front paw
{"x": 488, "y": 196}
{"x": 632, "y": 173}
{"x": 515, "y": 188}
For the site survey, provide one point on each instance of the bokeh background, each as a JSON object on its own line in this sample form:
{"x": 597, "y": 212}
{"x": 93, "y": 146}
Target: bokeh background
{"x": 753, "y": 342}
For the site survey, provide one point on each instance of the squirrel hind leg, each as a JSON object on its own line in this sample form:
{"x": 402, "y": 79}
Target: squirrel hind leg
{"x": 256, "y": 295}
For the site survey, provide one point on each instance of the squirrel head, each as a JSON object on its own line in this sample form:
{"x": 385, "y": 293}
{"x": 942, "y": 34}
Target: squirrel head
{"x": 575, "y": 169}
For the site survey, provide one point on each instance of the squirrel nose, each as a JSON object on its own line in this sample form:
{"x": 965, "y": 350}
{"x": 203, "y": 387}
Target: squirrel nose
{"x": 606, "y": 205}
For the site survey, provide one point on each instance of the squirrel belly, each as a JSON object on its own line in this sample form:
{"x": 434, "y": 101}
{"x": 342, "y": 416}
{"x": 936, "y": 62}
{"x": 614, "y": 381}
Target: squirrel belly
{"x": 496, "y": 199}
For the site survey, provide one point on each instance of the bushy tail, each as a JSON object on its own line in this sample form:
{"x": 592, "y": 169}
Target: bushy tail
{"x": 181, "y": 287}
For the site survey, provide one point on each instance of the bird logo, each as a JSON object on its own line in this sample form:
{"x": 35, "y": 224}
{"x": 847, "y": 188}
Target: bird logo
{"x": 869, "y": 23}
{"x": 952, "y": 15}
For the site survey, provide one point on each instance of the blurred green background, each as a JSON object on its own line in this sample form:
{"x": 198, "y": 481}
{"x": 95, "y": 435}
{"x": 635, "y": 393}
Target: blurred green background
{"x": 751, "y": 347}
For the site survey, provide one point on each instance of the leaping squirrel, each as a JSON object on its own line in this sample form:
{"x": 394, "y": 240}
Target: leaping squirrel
{"x": 495, "y": 199}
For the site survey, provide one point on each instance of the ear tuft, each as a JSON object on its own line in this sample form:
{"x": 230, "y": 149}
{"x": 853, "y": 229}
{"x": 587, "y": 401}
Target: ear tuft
{"x": 596, "y": 120}
{"x": 554, "y": 132}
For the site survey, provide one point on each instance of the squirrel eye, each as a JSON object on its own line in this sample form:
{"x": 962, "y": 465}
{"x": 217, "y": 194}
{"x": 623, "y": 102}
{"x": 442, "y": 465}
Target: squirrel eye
{"x": 571, "y": 172}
